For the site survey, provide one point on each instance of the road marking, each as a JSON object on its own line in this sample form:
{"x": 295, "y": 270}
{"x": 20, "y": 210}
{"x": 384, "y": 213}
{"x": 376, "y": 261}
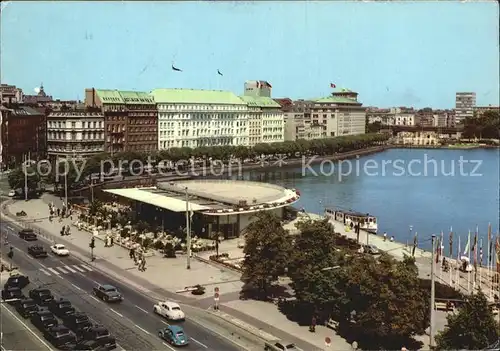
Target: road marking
{"x": 78, "y": 268}
{"x": 77, "y": 287}
{"x": 199, "y": 343}
{"x": 167, "y": 345}
{"x": 120, "y": 347}
{"x": 30, "y": 257}
{"x": 62, "y": 270}
{"x": 86, "y": 267}
{"x": 54, "y": 271}
{"x": 94, "y": 298}
{"x": 9, "y": 227}
{"x": 28, "y": 328}
{"x": 142, "y": 309}
{"x": 41, "y": 264}
{"x": 165, "y": 323}
{"x": 119, "y": 314}
{"x": 70, "y": 269}
{"x": 44, "y": 272}
{"x": 142, "y": 329}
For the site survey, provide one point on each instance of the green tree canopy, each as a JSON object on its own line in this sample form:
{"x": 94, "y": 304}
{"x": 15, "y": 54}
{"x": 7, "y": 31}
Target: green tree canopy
{"x": 75, "y": 172}
{"x": 17, "y": 178}
{"x": 486, "y": 126}
{"x": 267, "y": 249}
{"x": 472, "y": 328}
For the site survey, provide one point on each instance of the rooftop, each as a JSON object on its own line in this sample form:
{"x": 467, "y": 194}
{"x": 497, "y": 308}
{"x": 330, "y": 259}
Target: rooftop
{"x": 260, "y": 101}
{"x": 196, "y": 96}
{"x": 337, "y": 100}
{"x": 108, "y": 96}
{"x": 212, "y": 197}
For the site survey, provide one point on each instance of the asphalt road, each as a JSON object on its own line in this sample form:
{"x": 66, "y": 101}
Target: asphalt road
{"x": 132, "y": 321}
{"x": 16, "y": 333}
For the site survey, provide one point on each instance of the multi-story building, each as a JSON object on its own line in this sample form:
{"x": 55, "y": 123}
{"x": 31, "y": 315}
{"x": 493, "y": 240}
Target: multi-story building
{"x": 339, "y": 114}
{"x": 257, "y": 88}
{"x": 10, "y": 94}
{"x": 443, "y": 118}
{"x": 294, "y": 123}
{"x": 75, "y": 133}
{"x": 266, "y": 116}
{"x": 403, "y": 116}
{"x": 380, "y": 115}
{"x": 479, "y": 110}
{"x": 130, "y": 119}
{"x": 195, "y": 118}
{"x": 464, "y": 106}
{"x": 23, "y": 131}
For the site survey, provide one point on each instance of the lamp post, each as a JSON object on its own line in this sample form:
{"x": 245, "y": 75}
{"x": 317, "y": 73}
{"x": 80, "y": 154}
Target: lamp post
{"x": 188, "y": 231}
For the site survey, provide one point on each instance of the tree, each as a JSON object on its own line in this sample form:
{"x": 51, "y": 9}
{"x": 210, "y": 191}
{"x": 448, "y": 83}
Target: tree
{"x": 315, "y": 269}
{"x": 472, "y": 328}
{"x": 17, "y": 179}
{"x": 485, "y": 126}
{"x": 383, "y": 303}
{"x": 267, "y": 249}
{"x": 70, "y": 173}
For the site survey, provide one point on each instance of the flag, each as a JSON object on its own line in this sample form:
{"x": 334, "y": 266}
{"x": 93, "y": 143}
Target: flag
{"x": 467, "y": 248}
{"x": 176, "y": 69}
{"x": 451, "y": 241}
{"x": 220, "y": 74}
{"x": 333, "y": 86}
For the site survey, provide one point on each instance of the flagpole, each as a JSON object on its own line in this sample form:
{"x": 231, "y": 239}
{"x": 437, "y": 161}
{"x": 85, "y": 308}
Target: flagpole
{"x": 457, "y": 283}
{"x": 468, "y": 264}
{"x": 481, "y": 264}
{"x": 488, "y": 273}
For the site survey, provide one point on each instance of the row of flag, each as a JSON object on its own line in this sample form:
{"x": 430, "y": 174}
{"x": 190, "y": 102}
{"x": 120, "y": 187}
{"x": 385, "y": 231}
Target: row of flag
{"x": 180, "y": 70}
{"x": 475, "y": 249}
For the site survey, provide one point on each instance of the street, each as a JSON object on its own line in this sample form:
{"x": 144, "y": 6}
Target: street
{"x": 132, "y": 321}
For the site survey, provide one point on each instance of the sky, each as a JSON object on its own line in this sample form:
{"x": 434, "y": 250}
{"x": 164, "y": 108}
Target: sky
{"x": 392, "y": 53}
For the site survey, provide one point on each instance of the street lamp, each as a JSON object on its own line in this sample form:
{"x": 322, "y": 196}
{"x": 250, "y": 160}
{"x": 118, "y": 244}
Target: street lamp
{"x": 188, "y": 230}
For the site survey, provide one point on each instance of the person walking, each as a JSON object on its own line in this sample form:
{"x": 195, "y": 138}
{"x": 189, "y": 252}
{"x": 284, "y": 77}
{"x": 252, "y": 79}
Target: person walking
{"x": 385, "y": 236}
{"x": 392, "y": 239}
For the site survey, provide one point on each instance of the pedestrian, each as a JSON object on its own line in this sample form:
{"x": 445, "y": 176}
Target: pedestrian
{"x": 385, "y": 236}
{"x": 111, "y": 241}
{"x": 312, "y": 329}
{"x": 58, "y": 212}
{"x": 131, "y": 254}
{"x": 392, "y": 239}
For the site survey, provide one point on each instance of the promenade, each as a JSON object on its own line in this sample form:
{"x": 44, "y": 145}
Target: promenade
{"x": 259, "y": 318}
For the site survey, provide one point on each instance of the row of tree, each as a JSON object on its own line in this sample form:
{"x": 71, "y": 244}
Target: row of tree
{"x": 377, "y": 301}
{"x": 486, "y": 126}
{"x": 79, "y": 171}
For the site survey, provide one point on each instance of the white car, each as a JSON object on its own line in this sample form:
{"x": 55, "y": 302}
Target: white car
{"x": 169, "y": 310}
{"x": 59, "y": 250}
{"x": 12, "y": 193}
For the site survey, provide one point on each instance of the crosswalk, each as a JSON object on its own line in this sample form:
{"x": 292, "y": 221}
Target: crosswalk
{"x": 67, "y": 269}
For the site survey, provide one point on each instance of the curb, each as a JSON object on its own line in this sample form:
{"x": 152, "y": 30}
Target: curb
{"x": 216, "y": 264}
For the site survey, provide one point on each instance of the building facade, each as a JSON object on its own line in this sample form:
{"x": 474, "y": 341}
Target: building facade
{"x": 337, "y": 115}
{"x": 75, "y": 133}
{"x": 130, "y": 119}
{"x": 196, "y": 118}
{"x": 464, "y": 106}
{"x": 39, "y": 99}
{"x": 267, "y": 118}
{"x": 10, "y": 94}
{"x": 257, "y": 88}
{"x": 23, "y": 131}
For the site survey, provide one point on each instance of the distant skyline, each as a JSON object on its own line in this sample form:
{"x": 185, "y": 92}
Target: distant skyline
{"x": 392, "y": 53}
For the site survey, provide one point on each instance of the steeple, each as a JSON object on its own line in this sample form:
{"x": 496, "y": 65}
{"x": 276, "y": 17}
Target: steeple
{"x": 41, "y": 92}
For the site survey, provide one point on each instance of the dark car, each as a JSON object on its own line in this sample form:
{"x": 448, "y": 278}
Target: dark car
{"x": 37, "y": 251}
{"x": 61, "y": 307}
{"x": 91, "y": 345}
{"x": 28, "y": 235}
{"x": 107, "y": 293}
{"x": 26, "y": 307}
{"x": 43, "y": 320}
{"x": 17, "y": 281}
{"x": 101, "y": 336}
{"x": 41, "y": 296}
{"x": 12, "y": 295}
{"x": 77, "y": 322}
{"x": 174, "y": 335}
{"x": 60, "y": 336}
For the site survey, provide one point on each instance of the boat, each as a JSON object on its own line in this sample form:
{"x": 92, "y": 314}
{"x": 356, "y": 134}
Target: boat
{"x": 348, "y": 217}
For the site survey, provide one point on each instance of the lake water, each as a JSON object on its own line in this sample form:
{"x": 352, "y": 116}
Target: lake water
{"x": 430, "y": 190}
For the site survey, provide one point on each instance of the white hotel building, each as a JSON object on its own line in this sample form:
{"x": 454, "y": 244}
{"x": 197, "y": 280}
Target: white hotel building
{"x": 196, "y": 118}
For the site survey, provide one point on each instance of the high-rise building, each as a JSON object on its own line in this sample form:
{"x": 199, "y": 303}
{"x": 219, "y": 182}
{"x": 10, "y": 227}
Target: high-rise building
{"x": 196, "y": 118}
{"x": 464, "y": 106}
{"x": 258, "y": 88}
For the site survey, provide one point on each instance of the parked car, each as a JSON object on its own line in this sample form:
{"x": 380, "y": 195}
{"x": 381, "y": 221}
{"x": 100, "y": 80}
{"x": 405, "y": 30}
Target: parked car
{"x": 174, "y": 335}
{"x": 60, "y": 336}
{"x": 17, "y": 281}
{"x": 91, "y": 345}
{"x": 61, "y": 307}
{"x": 101, "y": 336}
{"x": 26, "y": 307}
{"x": 169, "y": 310}
{"x": 12, "y": 294}
{"x": 28, "y": 234}
{"x": 280, "y": 346}
{"x": 59, "y": 250}
{"x": 43, "y": 320}
{"x": 41, "y": 296}
{"x": 371, "y": 249}
{"x": 77, "y": 322}
{"x": 37, "y": 251}
{"x": 107, "y": 293}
